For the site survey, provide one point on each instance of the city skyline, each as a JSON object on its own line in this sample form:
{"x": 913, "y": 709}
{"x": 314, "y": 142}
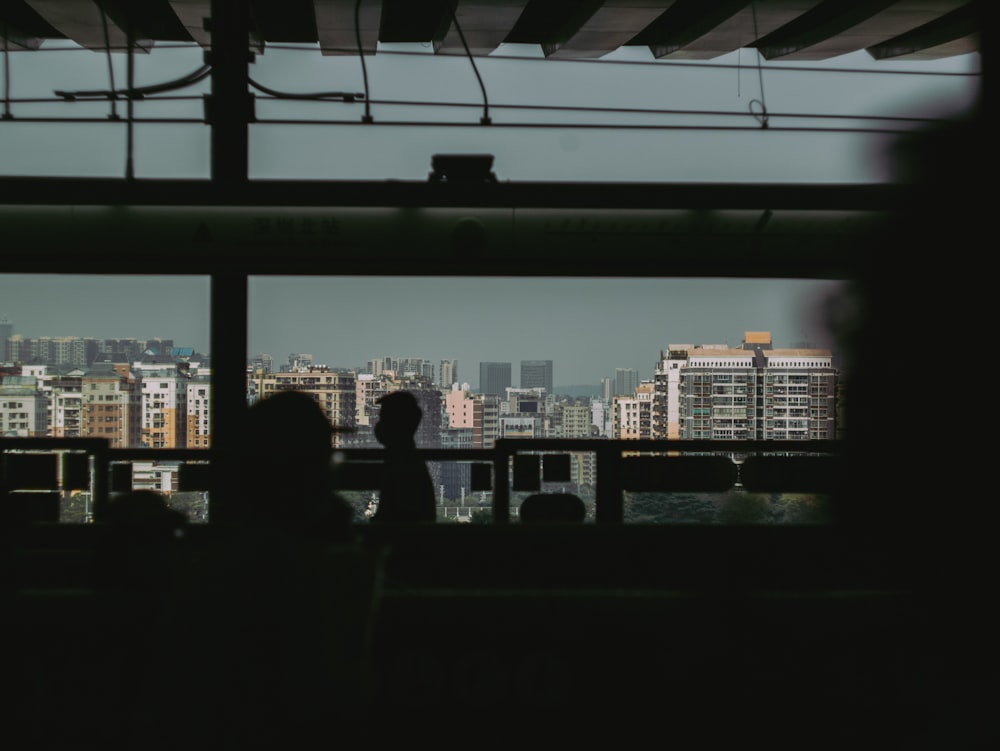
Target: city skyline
{"x": 588, "y": 327}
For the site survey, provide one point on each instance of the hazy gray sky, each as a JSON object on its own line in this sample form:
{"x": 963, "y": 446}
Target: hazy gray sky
{"x": 107, "y": 307}
{"x": 587, "y": 326}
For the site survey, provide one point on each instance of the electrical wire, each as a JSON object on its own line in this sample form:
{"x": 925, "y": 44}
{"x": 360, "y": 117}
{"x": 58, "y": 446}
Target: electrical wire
{"x": 652, "y": 111}
{"x": 130, "y": 104}
{"x": 761, "y": 117}
{"x": 139, "y": 92}
{"x": 367, "y": 117}
{"x": 6, "y": 73}
{"x": 329, "y": 98}
{"x": 485, "y": 120}
{"x": 345, "y": 96}
{"x": 587, "y": 126}
{"x": 111, "y": 67}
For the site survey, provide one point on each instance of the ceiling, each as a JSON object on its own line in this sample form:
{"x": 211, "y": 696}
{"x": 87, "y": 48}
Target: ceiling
{"x": 669, "y": 29}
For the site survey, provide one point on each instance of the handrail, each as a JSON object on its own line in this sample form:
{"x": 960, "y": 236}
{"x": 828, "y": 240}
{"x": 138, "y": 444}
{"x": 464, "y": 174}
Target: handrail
{"x": 615, "y": 471}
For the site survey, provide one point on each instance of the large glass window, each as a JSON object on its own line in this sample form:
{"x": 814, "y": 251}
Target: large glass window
{"x": 124, "y": 360}
{"x": 470, "y": 347}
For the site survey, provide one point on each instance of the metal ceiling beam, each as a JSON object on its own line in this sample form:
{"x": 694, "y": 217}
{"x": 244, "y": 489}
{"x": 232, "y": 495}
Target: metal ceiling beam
{"x": 194, "y": 15}
{"x": 705, "y": 30}
{"x": 552, "y": 24}
{"x": 336, "y": 28}
{"x": 683, "y": 29}
{"x": 837, "y": 28}
{"x": 288, "y": 21}
{"x": 610, "y": 27}
{"x": 484, "y": 23}
{"x": 83, "y": 22}
{"x": 420, "y": 21}
{"x": 46, "y": 191}
{"x": 955, "y": 33}
{"x": 22, "y": 27}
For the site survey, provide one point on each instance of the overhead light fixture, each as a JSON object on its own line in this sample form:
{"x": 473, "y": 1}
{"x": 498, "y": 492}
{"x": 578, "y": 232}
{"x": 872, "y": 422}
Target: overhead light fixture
{"x": 462, "y": 168}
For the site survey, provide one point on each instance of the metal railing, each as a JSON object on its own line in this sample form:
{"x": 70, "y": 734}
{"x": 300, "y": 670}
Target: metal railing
{"x": 47, "y": 465}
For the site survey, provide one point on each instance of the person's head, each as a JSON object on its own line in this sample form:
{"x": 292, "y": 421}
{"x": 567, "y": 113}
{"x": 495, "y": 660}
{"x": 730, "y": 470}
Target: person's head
{"x": 398, "y": 418}
{"x": 146, "y": 509}
{"x": 289, "y": 424}
{"x": 287, "y": 448}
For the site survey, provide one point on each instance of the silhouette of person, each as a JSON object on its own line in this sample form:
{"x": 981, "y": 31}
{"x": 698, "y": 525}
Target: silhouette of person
{"x": 141, "y": 549}
{"x": 268, "y": 633}
{"x": 407, "y": 491}
{"x": 141, "y": 546}
{"x": 287, "y": 448}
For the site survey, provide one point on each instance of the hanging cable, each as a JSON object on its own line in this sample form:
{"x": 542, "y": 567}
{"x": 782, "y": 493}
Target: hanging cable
{"x": 111, "y": 68}
{"x": 739, "y": 72}
{"x": 761, "y": 116}
{"x": 140, "y": 91}
{"x": 130, "y": 102}
{"x": 346, "y": 96}
{"x": 367, "y": 117}
{"x": 6, "y": 74}
{"x": 485, "y": 119}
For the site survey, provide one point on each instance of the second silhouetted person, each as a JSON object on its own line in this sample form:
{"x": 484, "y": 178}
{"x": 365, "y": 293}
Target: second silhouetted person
{"x": 407, "y": 491}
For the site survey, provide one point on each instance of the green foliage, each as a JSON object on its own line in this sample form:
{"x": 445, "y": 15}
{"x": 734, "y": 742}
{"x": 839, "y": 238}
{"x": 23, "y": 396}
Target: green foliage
{"x": 76, "y": 508}
{"x": 193, "y": 504}
{"x": 734, "y": 507}
{"x": 481, "y": 517}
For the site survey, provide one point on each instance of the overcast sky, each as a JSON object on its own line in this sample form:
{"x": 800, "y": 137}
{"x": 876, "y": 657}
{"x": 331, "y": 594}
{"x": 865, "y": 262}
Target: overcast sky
{"x": 587, "y": 327}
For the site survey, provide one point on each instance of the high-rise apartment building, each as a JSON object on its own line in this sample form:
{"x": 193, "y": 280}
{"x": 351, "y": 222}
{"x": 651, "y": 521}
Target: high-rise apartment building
{"x": 633, "y": 415}
{"x": 455, "y": 478}
{"x": 601, "y": 416}
{"x": 626, "y": 381}
{"x": 754, "y": 392}
{"x": 50, "y": 350}
{"x": 607, "y": 389}
{"x": 18, "y": 349}
{"x": 112, "y": 407}
{"x": 129, "y": 350}
{"x": 536, "y": 374}
{"x": 718, "y": 395}
{"x": 459, "y": 409}
{"x": 403, "y": 367}
{"x": 485, "y": 420}
{"x": 494, "y": 378}
{"x": 447, "y": 374}
{"x": 298, "y": 361}
{"x": 23, "y": 408}
{"x": 530, "y": 401}
{"x": 799, "y": 395}
{"x": 575, "y": 421}
{"x": 61, "y": 386}
{"x": 65, "y": 407}
{"x": 164, "y": 407}
{"x": 199, "y": 404}
{"x": 262, "y": 362}
{"x": 335, "y": 391}
{"x": 6, "y": 332}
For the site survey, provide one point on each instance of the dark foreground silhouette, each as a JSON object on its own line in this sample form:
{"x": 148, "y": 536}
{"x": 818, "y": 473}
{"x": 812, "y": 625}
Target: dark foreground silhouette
{"x": 407, "y": 491}
{"x": 265, "y": 642}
